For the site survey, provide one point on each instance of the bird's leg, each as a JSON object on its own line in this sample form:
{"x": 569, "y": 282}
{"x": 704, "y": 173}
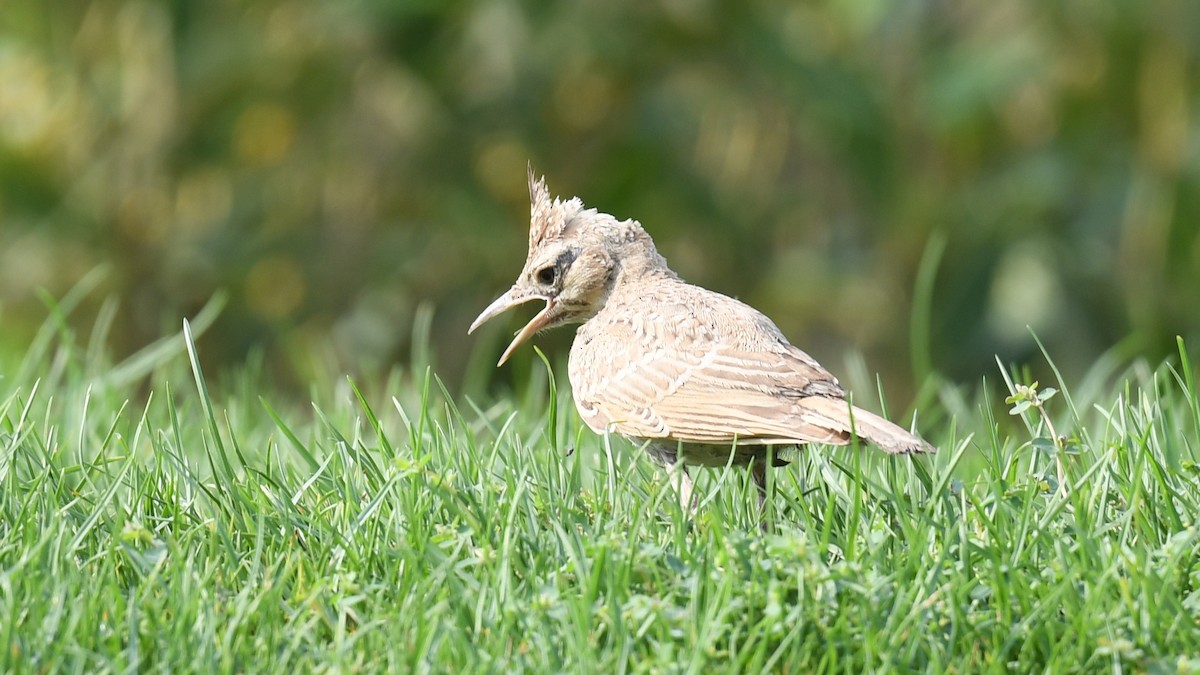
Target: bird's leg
{"x": 677, "y": 473}
{"x": 684, "y": 485}
{"x": 758, "y": 471}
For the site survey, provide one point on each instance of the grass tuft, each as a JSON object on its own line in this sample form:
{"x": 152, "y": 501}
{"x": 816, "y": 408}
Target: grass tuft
{"x": 215, "y": 527}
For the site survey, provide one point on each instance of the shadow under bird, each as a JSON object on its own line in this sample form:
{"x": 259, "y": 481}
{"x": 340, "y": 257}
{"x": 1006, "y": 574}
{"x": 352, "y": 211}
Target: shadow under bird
{"x": 696, "y": 377}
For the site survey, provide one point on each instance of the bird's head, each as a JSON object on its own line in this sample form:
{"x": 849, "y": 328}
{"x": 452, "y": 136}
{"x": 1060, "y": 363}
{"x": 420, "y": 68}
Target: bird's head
{"x": 575, "y": 258}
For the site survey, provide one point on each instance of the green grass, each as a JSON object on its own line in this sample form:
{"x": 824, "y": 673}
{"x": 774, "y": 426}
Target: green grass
{"x": 152, "y": 522}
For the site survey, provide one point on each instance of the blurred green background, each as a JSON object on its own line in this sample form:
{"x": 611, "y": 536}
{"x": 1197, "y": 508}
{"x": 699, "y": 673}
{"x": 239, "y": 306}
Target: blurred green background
{"x": 334, "y": 165}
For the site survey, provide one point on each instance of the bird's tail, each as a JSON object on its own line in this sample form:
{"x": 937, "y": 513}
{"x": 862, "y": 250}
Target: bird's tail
{"x": 838, "y": 415}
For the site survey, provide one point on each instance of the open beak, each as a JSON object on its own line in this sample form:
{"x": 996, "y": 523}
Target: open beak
{"x": 502, "y": 304}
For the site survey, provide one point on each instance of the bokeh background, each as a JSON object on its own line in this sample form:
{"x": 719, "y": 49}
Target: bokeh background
{"x": 918, "y": 181}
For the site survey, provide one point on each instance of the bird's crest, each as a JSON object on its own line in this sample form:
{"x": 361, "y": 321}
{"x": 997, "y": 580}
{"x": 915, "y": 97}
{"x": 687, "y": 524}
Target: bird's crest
{"x": 556, "y": 219}
{"x": 548, "y": 218}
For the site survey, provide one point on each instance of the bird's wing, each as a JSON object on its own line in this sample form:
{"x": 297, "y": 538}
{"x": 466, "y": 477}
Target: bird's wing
{"x": 697, "y": 367}
{"x": 713, "y": 393}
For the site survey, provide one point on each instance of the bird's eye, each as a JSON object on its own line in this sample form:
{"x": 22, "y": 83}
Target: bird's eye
{"x": 546, "y": 275}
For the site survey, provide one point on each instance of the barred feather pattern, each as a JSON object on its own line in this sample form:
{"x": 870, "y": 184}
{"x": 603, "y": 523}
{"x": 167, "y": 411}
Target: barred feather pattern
{"x": 674, "y": 362}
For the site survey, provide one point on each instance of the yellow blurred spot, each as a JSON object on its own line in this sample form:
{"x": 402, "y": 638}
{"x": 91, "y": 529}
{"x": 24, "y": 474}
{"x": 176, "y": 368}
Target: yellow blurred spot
{"x": 25, "y": 99}
{"x": 741, "y": 146}
{"x": 203, "y": 198}
{"x": 1164, "y": 87}
{"x": 275, "y": 287}
{"x": 350, "y": 197}
{"x": 1029, "y": 115}
{"x": 811, "y": 34}
{"x": 144, "y": 215}
{"x": 264, "y": 134}
{"x": 583, "y": 99}
{"x": 1083, "y": 63}
{"x": 287, "y": 28}
{"x": 500, "y": 166}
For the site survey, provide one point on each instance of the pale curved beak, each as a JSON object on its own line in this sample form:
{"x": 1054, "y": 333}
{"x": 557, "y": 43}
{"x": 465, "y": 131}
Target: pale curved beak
{"x": 515, "y": 296}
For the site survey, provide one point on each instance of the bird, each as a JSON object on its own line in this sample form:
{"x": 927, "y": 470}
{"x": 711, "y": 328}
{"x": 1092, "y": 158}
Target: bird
{"x": 695, "y": 377}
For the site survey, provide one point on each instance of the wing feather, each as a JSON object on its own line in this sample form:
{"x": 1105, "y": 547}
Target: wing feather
{"x": 711, "y": 396}
{"x": 704, "y": 368}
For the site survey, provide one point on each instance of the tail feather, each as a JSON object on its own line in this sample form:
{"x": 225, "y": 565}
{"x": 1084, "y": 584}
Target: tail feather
{"x": 838, "y": 415}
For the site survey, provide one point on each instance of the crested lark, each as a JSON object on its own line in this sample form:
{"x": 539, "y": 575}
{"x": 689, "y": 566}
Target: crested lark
{"x": 699, "y": 377}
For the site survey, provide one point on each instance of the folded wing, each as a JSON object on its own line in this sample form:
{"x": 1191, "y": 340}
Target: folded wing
{"x": 717, "y": 393}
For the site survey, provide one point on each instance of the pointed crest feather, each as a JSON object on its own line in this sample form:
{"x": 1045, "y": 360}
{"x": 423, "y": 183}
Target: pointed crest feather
{"x": 546, "y": 219}
{"x": 554, "y": 218}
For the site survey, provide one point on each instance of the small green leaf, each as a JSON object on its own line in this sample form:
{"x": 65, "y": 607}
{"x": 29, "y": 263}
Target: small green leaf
{"x": 1047, "y": 393}
{"x": 1019, "y": 408}
{"x": 1045, "y": 445}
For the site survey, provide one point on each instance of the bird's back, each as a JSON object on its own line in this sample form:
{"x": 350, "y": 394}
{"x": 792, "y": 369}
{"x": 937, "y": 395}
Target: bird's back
{"x": 674, "y": 361}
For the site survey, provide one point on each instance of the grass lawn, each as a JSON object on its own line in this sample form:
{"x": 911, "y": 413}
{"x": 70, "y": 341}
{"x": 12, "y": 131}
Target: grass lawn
{"x": 150, "y": 522}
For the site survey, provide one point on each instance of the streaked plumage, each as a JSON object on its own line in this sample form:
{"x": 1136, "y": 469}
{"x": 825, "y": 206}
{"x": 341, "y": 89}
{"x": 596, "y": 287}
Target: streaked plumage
{"x": 661, "y": 361}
